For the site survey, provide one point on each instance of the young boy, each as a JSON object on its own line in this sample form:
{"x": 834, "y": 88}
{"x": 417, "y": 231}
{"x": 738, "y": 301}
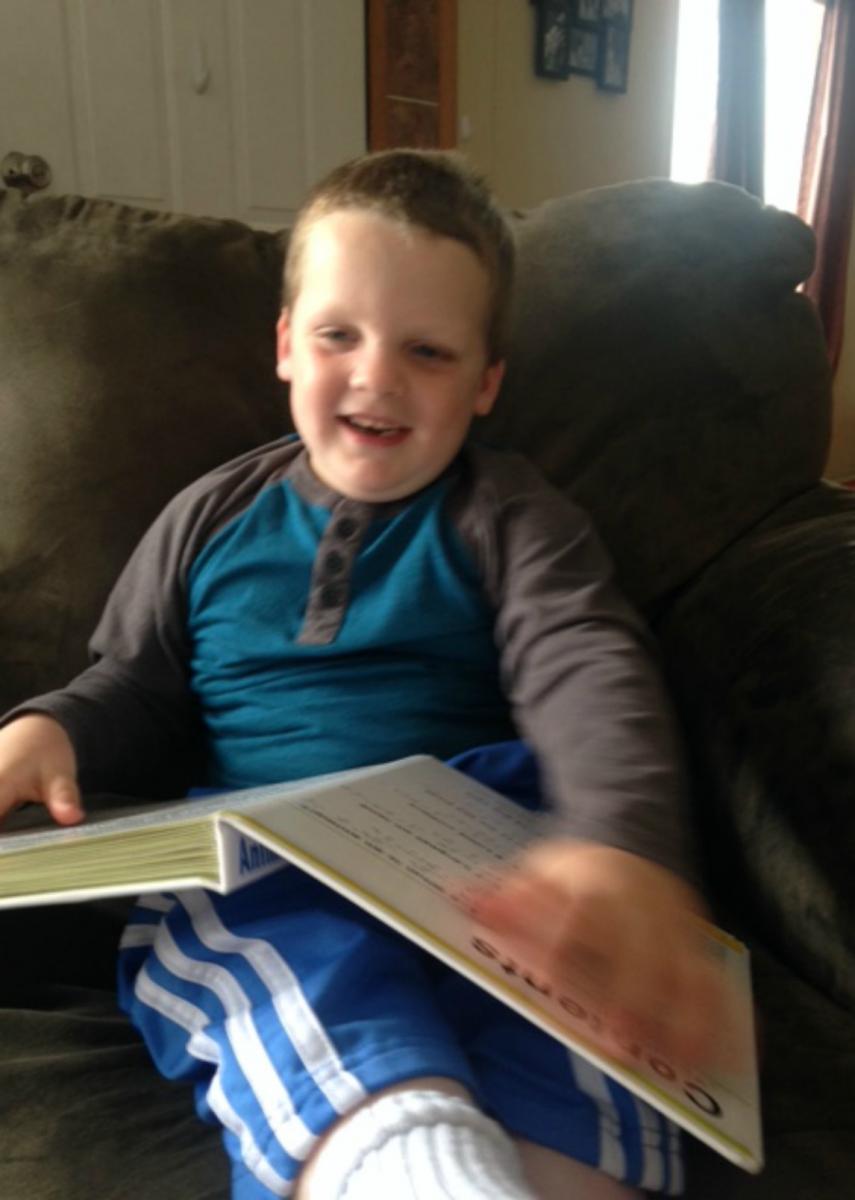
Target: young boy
{"x": 372, "y": 590}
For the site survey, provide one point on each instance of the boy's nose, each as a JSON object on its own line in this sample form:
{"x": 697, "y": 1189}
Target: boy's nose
{"x": 378, "y": 370}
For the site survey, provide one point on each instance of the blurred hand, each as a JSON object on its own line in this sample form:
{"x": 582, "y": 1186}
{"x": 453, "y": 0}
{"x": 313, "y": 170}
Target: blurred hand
{"x": 626, "y": 933}
{"x": 37, "y": 763}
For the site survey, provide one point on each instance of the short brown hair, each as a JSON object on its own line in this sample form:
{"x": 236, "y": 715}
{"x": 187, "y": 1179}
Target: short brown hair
{"x": 432, "y": 190}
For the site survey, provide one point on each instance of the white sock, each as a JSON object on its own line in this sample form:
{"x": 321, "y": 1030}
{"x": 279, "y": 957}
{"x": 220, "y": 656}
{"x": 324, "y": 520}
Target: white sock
{"x": 419, "y": 1145}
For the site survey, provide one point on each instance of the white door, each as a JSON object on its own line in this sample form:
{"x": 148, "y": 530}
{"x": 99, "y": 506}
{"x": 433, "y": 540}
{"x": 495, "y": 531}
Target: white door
{"x": 218, "y": 107}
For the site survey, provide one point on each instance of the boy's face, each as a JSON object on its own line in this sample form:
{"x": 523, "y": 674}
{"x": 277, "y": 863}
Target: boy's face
{"x": 385, "y": 351}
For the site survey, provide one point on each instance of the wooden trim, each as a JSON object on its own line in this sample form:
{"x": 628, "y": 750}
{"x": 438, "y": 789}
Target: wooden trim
{"x": 447, "y": 51}
{"x": 376, "y": 64}
{"x": 377, "y": 70}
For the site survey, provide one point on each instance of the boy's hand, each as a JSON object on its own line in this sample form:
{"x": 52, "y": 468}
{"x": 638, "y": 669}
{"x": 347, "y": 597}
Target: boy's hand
{"x": 37, "y": 763}
{"x": 621, "y": 930}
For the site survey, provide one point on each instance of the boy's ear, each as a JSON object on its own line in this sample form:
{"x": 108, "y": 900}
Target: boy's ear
{"x": 283, "y": 346}
{"x": 491, "y": 381}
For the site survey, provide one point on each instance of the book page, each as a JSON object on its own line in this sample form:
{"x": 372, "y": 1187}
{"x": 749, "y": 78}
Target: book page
{"x": 394, "y": 840}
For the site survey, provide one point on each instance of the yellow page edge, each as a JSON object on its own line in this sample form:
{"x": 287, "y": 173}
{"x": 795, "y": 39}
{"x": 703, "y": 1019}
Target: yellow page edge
{"x": 110, "y": 891}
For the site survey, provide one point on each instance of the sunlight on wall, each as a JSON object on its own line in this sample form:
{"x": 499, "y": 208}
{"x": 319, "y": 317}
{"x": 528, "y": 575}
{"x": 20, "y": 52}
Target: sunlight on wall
{"x": 792, "y": 39}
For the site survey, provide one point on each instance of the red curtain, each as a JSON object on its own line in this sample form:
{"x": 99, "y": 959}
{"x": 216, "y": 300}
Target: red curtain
{"x": 827, "y": 196}
{"x": 738, "y": 148}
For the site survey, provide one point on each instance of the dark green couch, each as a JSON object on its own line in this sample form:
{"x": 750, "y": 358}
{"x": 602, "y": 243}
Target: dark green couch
{"x": 665, "y": 372}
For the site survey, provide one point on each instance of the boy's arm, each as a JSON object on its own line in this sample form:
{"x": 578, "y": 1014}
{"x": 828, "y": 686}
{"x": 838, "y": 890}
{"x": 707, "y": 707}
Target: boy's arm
{"x": 130, "y": 717}
{"x": 578, "y": 667}
{"x": 608, "y": 898}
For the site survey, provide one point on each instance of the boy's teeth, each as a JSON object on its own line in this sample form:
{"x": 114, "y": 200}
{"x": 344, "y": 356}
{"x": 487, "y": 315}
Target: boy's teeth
{"x": 373, "y": 426}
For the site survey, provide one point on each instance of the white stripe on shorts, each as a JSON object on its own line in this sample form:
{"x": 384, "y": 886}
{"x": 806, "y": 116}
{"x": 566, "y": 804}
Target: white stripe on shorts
{"x": 252, "y": 1156}
{"x": 592, "y": 1081}
{"x": 204, "y": 1048}
{"x": 674, "y": 1149}
{"x": 156, "y": 902}
{"x": 287, "y": 1126}
{"x": 340, "y": 1087}
{"x": 134, "y": 936}
{"x": 653, "y": 1130}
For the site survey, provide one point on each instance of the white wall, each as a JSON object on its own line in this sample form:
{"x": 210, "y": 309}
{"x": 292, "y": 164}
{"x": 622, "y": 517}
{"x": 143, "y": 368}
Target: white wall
{"x": 536, "y": 138}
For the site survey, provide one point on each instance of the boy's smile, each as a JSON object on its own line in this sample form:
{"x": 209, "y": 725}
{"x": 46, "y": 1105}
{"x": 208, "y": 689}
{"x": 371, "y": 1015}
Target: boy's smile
{"x": 385, "y": 351}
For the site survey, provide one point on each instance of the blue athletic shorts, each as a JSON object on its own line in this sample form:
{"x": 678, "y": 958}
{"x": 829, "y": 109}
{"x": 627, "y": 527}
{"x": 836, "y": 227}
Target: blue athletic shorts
{"x": 286, "y": 1005}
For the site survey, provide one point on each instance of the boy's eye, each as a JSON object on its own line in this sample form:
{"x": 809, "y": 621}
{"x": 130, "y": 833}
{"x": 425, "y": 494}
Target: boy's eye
{"x": 333, "y": 336}
{"x": 430, "y": 353}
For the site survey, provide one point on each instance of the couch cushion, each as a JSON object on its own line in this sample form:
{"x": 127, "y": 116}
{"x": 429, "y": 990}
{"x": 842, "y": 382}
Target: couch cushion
{"x": 761, "y": 658}
{"x": 136, "y": 351}
{"x": 663, "y": 370}
{"x": 84, "y": 1112}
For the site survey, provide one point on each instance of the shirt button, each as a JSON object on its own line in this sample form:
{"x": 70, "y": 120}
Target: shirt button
{"x": 345, "y": 528}
{"x": 330, "y": 596}
{"x": 334, "y": 562}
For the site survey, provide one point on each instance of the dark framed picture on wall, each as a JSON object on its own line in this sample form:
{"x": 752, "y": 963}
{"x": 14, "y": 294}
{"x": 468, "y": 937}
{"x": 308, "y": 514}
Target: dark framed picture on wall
{"x": 613, "y": 53}
{"x": 586, "y": 12}
{"x": 584, "y": 49}
{"x": 552, "y": 41}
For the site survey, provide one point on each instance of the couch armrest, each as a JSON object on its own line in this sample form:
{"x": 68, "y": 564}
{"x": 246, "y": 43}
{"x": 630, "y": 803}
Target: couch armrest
{"x": 761, "y": 654}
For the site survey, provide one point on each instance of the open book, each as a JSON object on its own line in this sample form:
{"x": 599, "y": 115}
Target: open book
{"x": 392, "y": 839}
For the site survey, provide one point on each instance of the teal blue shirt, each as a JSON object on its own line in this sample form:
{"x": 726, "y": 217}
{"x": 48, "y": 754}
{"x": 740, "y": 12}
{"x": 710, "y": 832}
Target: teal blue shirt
{"x": 413, "y": 663}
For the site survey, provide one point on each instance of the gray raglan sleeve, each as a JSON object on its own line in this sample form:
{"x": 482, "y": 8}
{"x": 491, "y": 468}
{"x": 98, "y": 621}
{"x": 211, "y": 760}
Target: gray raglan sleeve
{"x": 131, "y": 716}
{"x": 579, "y": 667}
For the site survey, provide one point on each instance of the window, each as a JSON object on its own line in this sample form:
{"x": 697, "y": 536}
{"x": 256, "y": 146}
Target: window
{"x": 793, "y": 30}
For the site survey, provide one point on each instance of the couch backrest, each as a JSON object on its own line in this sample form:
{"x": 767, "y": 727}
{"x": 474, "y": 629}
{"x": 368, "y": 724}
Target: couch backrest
{"x": 663, "y": 371}
{"x": 136, "y": 351}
